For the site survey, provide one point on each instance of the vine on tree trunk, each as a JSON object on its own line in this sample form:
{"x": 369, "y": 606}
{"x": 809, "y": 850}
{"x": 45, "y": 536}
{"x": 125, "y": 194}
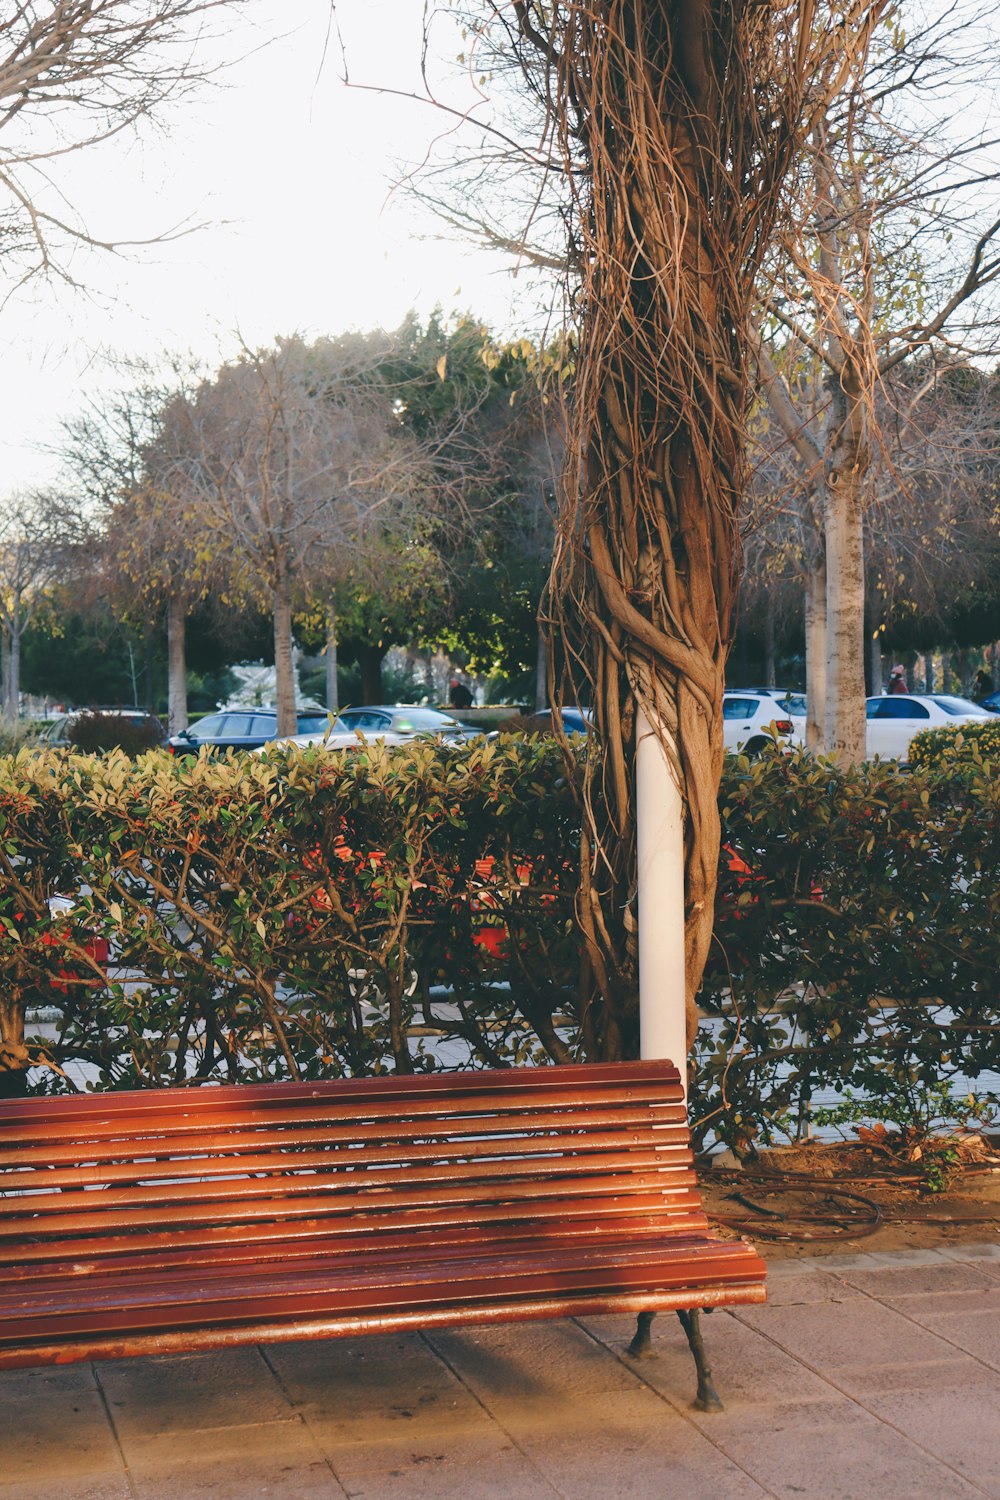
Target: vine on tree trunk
{"x": 676, "y": 124}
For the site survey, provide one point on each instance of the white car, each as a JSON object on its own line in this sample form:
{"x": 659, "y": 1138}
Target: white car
{"x": 894, "y": 719}
{"x": 388, "y": 724}
{"x": 753, "y": 718}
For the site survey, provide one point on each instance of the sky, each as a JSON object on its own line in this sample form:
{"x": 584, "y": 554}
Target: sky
{"x": 289, "y": 173}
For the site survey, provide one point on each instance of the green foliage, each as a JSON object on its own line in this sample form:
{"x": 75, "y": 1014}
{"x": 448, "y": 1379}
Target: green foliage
{"x": 97, "y": 731}
{"x": 862, "y": 948}
{"x": 957, "y": 745}
{"x": 286, "y": 914}
{"x": 321, "y": 913}
{"x": 924, "y": 1115}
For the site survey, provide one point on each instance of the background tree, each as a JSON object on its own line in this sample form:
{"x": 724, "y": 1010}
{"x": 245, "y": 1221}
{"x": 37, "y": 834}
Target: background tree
{"x": 887, "y": 248}
{"x": 284, "y": 461}
{"x": 74, "y": 74}
{"x": 39, "y": 534}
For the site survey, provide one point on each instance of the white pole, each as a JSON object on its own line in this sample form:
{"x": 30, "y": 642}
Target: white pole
{"x": 660, "y": 841}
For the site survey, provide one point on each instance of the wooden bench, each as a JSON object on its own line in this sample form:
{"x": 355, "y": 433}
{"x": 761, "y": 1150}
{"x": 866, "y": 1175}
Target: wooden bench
{"x": 198, "y": 1218}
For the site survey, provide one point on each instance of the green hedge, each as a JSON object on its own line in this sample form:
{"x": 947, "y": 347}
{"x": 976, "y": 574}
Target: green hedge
{"x": 296, "y": 913}
{"x": 284, "y": 914}
{"x": 864, "y": 954}
{"x": 956, "y": 745}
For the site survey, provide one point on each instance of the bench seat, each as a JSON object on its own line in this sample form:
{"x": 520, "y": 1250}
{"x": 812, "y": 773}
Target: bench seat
{"x": 192, "y": 1218}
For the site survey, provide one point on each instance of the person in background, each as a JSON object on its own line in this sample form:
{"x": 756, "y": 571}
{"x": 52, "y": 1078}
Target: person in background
{"x": 897, "y": 681}
{"x": 458, "y": 694}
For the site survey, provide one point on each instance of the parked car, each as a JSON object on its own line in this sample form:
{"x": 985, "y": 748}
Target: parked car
{"x": 574, "y": 721}
{"x": 753, "y": 718}
{"x": 390, "y": 724}
{"x": 894, "y": 719}
{"x": 243, "y": 729}
{"x": 991, "y": 702}
{"x": 403, "y": 720}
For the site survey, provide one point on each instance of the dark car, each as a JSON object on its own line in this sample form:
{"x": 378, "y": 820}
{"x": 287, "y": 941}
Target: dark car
{"x": 991, "y": 702}
{"x": 242, "y": 729}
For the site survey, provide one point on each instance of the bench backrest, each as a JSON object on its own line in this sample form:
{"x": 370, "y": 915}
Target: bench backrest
{"x": 200, "y": 1176}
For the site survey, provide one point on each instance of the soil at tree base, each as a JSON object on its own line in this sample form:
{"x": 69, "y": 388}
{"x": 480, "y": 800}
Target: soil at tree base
{"x": 797, "y": 1213}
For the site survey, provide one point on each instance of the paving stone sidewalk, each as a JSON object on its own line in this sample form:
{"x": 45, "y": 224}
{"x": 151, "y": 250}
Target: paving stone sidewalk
{"x": 866, "y": 1376}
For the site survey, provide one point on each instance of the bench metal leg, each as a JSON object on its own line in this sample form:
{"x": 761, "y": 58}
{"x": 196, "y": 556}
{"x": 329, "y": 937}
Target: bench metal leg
{"x": 707, "y": 1398}
{"x": 641, "y": 1346}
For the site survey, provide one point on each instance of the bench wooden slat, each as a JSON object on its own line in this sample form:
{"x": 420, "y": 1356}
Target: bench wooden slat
{"x": 233, "y": 1250}
{"x": 166, "y": 1144}
{"x": 235, "y": 1207}
{"x": 159, "y": 1305}
{"x": 155, "y": 1111}
{"x": 682, "y": 1214}
{"x": 297, "y": 1155}
{"x": 601, "y": 1082}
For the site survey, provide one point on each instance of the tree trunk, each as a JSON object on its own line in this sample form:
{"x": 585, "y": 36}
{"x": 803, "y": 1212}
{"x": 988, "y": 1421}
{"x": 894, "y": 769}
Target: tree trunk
{"x": 815, "y": 620}
{"x": 770, "y": 668}
{"x": 14, "y": 677}
{"x": 678, "y": 163}
{"x": 541, "y": 670}
{"x": 945, "y": 672}
{"x": 964, "y": 669}
{"x": 370, "y": 660}
{"x": 14, "y": 1056}
{"x": 873, "y": 686}
{"x": 844, "y": 724}
{"x": 177, "y": 714}
{"x": 284, "y": 665}
{"x": 5, "y": 672}
{"x": 928, "y": 671}
{"x": 332, "y": 702}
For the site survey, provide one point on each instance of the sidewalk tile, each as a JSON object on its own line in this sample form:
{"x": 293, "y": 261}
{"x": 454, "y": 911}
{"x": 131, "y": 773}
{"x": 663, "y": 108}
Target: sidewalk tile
{"x": 893, "y": 1259}
{"x": 988, "y": 1250}
{"x": 825, "y": 1335}
{"x": 110, "y": 1486}
{"x": 388, "y": 1381}
{"x": 959, "y": 1426}
{"x": 908, "y": 1281}
{"x": 486, "y": 1468}
{"x": 814, "y": 1286}
{"x": 180, "y": 1392}
{"x": 745, "y": 1366}
{"x": 958, "y": 1372}
{"x": 520, "y": 1359}
{"x": 622, "y": 1443}
{"x": 921, "y": 1305}
{"x": 832, "y": 1451}
{"x": 54, "y": 1432}
{"x": 278, "y": 1460}
{"x": 974, "y": 1332}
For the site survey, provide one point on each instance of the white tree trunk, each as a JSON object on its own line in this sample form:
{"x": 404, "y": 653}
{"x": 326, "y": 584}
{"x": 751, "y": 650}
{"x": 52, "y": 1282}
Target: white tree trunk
{"x": 815, "y": 618}
{"x": 177, "y": 713}
{"x": 14, "y": 677}
{"x": 332, "y": 701}
{"x": 875, "y": 648}
{"x": 284, "y": 665}
{"x": 770, "y": 666}
{"x": 5, "y": 672}
{"x": 660, "y": 870}
{"x": 844, "y": 721}
{"x": 541, "y": 671}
